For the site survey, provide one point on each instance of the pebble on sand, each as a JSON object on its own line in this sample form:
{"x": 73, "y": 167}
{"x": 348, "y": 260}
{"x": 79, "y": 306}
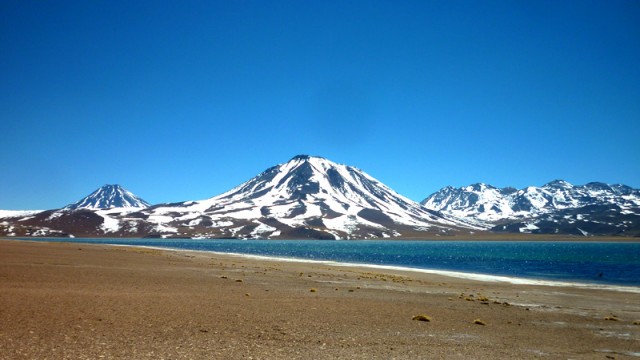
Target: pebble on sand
{"x": 421, "y": 318}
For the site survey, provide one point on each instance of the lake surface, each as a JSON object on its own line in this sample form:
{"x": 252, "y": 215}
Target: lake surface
{"x": 577, "y": 262}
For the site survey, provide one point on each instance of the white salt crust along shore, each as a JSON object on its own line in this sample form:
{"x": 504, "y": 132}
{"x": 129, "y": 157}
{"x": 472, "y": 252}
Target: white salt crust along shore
{"x": 454, "y": 274}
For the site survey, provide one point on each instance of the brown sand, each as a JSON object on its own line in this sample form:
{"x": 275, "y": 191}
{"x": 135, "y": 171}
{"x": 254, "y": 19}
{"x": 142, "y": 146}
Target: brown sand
{"x": 70, "y": 301}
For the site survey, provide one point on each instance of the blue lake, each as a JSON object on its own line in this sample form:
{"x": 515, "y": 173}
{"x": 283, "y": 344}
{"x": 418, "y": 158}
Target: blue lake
{"x": 579, "y": 262}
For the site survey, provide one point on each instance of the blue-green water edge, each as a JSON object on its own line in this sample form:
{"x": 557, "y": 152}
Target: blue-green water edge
{"x": 579, "y": 262}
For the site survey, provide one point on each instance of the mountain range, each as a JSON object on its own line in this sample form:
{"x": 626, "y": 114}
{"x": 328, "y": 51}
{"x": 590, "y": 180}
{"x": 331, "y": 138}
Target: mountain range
{"x": 312, "y": 197}
{"x": 557, "y": 207}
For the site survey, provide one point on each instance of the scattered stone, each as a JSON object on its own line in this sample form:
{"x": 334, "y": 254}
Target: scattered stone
{"x": 611, "y": 318}
{"x": 479, "y": 322}
{"x": 313, "y": 290}
{"x": 239, "y": 280}
{"x": 421, "y": 318}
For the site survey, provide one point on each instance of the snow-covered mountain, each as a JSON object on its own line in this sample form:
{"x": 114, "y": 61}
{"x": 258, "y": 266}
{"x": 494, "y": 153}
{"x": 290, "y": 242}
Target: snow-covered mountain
{"x": 305, "y": 197}
{"x": 107, "y": 197}
{"x": 97, "y": 214}
{"x": 556, "y": 207}
{"x": 312, "y": 197}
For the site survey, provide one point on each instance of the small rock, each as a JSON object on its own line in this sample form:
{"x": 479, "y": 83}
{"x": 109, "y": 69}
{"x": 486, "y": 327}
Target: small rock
{"x": 421, "y": 318}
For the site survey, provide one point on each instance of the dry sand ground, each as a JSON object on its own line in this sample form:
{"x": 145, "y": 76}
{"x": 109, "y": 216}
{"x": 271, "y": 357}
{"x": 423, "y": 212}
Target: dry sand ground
{"x": 70, "y": 301}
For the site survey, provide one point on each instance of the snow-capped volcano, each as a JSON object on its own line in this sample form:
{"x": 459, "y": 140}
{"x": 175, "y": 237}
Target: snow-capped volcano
{"x": 312, "y": 197}
{"x": 107, "y": 197}
{"x": 305, "y": 197}
{"x": 98, "y": 214}
{"x": 556, "y": 207}
{"x": 313, "y": 186}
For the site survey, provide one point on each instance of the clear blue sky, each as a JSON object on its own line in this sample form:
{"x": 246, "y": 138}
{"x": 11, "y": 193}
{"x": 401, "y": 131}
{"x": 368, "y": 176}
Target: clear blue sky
{"x": 184, "y": 100}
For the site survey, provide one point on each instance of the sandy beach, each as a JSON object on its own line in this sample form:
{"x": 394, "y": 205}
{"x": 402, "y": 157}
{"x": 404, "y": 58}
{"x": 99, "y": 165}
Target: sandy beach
{"x": 76, "y": 301}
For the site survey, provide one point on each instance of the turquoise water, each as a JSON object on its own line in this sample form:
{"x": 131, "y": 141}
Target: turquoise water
{"x": 580, "y": 262}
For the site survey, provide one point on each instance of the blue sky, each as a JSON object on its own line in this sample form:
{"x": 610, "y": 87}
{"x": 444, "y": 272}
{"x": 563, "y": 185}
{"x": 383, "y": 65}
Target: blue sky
{"x": 184, "y": 100}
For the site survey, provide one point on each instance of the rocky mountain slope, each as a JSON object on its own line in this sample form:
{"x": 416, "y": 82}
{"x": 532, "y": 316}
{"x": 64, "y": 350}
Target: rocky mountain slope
{"x": 312, "y": 197}
{"x": 97, "y": 214}
{"x": 306, "y": 197}
{"x": 554, "y": 208}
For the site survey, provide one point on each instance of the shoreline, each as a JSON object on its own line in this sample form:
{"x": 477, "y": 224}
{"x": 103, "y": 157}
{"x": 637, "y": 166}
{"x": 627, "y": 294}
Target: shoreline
{"x": 75, "y": 300}
{"x": 482, "y": 277}
{"x": 484, "y": 237}
{"x": 514, "y": 280}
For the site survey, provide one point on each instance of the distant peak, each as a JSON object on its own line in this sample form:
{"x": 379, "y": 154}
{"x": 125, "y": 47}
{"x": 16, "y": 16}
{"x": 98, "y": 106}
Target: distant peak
{"x": 109, "y": 196}
{"x": 558, "y": 183}
{"x": 111, "y": 186}
{"x": 477, "y": 187}
{"x": 305, "y": 157}
{"x": 596, "y": 185}
{"x": 301, "y": 157}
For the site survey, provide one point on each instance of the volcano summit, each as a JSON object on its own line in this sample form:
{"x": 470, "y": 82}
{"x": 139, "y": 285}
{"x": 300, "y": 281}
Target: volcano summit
{"x": 306, "y": 197}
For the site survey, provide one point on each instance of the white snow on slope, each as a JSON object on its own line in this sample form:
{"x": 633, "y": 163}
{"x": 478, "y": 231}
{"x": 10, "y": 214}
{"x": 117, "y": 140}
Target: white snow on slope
{"x": 110, "y": 224}
{"x": 306, "y": 188}
{"x": 109, "y": 196}
{"x": 485, "y": 203}
{"x": 18, "y": 213}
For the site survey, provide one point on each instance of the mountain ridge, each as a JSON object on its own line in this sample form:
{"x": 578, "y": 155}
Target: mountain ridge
{"x": 556, "y": 207}
{"x": 313, "y": 197}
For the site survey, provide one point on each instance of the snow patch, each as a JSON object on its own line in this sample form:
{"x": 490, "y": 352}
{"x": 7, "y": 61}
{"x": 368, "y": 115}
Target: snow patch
{"x": 18, "y": 213}
{"x": 262, "y": 229}
{"x": 528, "y": 228}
